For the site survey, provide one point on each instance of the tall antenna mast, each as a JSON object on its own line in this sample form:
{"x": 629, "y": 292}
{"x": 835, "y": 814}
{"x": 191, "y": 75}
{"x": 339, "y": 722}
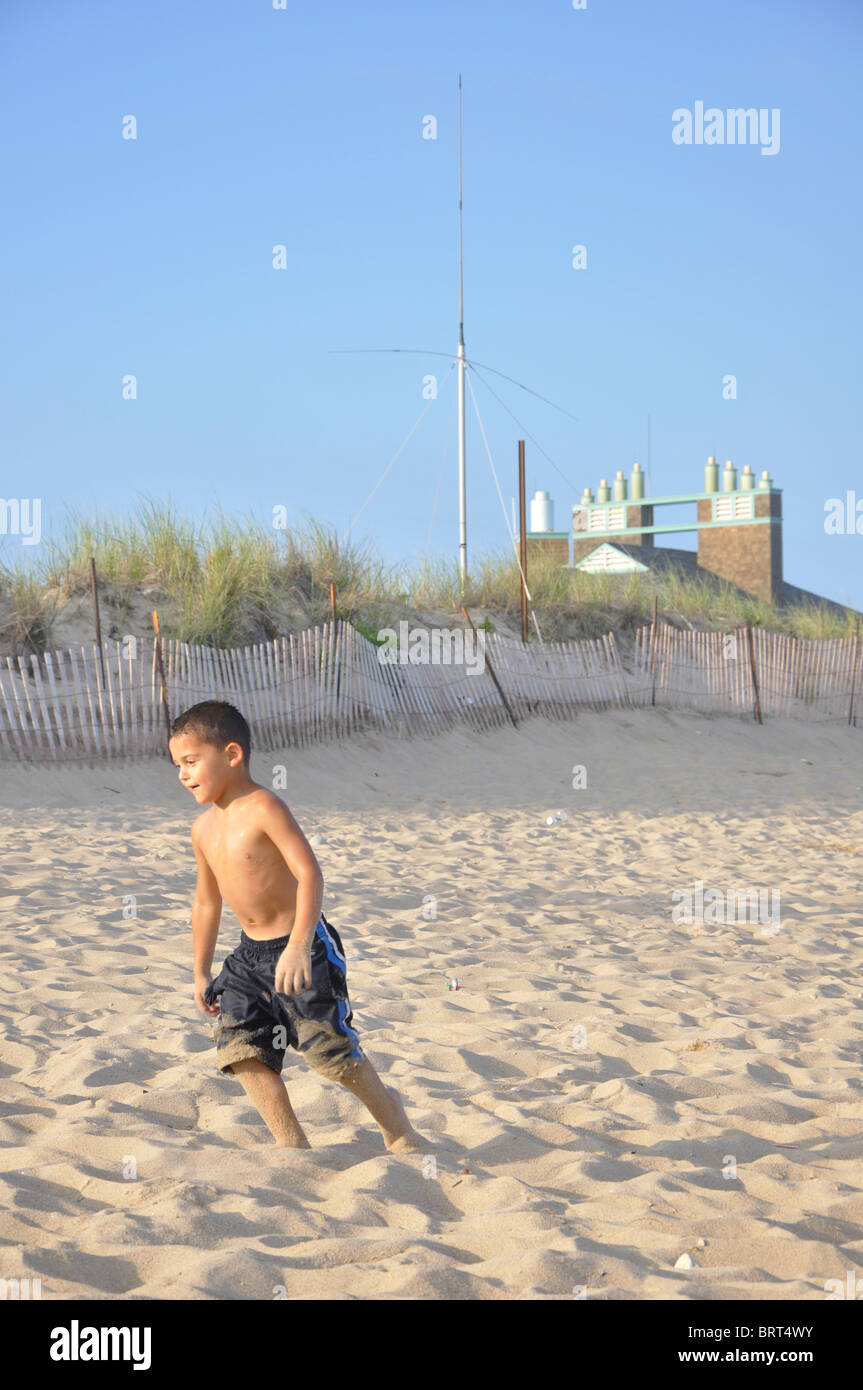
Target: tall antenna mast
{"x": 462, "y": 496}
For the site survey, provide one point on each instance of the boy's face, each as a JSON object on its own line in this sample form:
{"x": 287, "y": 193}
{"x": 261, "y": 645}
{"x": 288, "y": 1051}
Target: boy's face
{"x": 204, "y": 769}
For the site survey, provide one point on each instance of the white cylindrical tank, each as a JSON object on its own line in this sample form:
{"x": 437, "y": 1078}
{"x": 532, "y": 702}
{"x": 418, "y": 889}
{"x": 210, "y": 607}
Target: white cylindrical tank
{"x": 541, "y": 512}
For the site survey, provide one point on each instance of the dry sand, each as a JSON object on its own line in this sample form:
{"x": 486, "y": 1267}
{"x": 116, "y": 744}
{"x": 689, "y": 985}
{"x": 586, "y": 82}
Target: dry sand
{"x": 588, "y": 1089}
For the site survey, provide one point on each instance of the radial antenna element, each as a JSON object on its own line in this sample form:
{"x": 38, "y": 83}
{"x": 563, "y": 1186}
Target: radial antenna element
{"x": 462, "y": 495}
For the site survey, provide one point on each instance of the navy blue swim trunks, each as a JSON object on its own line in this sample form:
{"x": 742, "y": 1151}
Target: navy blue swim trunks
{"x": 256, "y": 1022}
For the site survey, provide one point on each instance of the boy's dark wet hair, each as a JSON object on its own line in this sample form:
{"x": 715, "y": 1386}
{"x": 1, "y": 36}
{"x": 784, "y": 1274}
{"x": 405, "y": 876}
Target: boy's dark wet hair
{"x": 216, "y": 722}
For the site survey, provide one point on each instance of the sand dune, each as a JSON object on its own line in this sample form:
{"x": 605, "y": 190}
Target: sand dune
{"x": 607, "y": 1090}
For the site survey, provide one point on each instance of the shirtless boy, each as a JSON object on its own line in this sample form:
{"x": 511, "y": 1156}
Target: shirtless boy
{"x": 285, "y": 982}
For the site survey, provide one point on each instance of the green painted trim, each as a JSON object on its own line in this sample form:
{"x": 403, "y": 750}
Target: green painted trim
{"x": 675, "y": 501}
{"x": 545, "y": 535}
{"x": 611, "y": 536}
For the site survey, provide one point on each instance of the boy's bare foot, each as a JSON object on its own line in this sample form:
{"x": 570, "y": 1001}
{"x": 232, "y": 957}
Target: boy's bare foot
{"x": 400, "y": 1136}
{"x": 301, "y": 1142}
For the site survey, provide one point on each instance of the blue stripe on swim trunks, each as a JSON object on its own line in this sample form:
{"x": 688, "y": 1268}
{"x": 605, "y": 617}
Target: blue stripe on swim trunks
{"x": 333, "y": 951}
{"x": 335, "y": 955}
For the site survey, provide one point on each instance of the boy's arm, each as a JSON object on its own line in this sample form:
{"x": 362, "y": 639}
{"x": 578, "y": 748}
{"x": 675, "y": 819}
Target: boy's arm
{"x": 206, "y": 915}
{"x": 294, "y": 968}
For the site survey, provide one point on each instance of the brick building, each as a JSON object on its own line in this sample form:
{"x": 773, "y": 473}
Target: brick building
{"x": 738, "y": 521}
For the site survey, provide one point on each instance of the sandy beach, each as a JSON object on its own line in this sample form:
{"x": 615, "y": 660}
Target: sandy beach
{"x": 609, "y": 1088}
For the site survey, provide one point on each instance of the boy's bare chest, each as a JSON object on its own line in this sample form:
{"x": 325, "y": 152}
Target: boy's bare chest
{"x": 239, "y": 854}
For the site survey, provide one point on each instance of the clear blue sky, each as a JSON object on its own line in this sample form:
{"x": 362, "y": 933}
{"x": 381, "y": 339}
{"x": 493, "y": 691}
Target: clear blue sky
{"x": 303, "y": 127}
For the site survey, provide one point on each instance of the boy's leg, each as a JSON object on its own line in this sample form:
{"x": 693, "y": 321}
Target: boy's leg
{"x": 251, "y": 1041}
{"x": 267, "y": 1092}
{"x": 384, "y": 1104}
{"x": 321, "y": 1018}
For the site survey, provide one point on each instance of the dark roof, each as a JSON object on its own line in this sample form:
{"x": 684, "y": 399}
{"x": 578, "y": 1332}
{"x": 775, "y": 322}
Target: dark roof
{"x": 685, "y": 563}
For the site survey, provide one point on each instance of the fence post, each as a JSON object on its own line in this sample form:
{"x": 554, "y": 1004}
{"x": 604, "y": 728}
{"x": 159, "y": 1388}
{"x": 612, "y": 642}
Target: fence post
{"x": 852, "y": 717}
{"x": 97, "y": 618}
{"x": 161, "y": 669}
{"x": 751, "y": 646}
{"x": 653, "y": 647}
{"x": 491, "y": 671}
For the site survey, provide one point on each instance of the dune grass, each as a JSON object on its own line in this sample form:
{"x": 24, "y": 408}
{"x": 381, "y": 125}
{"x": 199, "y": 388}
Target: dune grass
{"x": 30, "y": 609}
{"x": 229, "y": 580}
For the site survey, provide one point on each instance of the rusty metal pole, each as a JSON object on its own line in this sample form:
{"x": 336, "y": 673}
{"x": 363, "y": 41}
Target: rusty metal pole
{"x": 522, "y": 539}
{"x": 333, "y": 600}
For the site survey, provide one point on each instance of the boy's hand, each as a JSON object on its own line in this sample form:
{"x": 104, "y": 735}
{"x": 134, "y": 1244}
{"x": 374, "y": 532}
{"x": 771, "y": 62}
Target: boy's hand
{"x": 202, "y": 984}
{"x": 294, "y": 969}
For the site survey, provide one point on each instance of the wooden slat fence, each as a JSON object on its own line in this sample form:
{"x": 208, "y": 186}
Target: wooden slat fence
{"x": 711, "y": 672}
{"x": 329, "y": 682}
